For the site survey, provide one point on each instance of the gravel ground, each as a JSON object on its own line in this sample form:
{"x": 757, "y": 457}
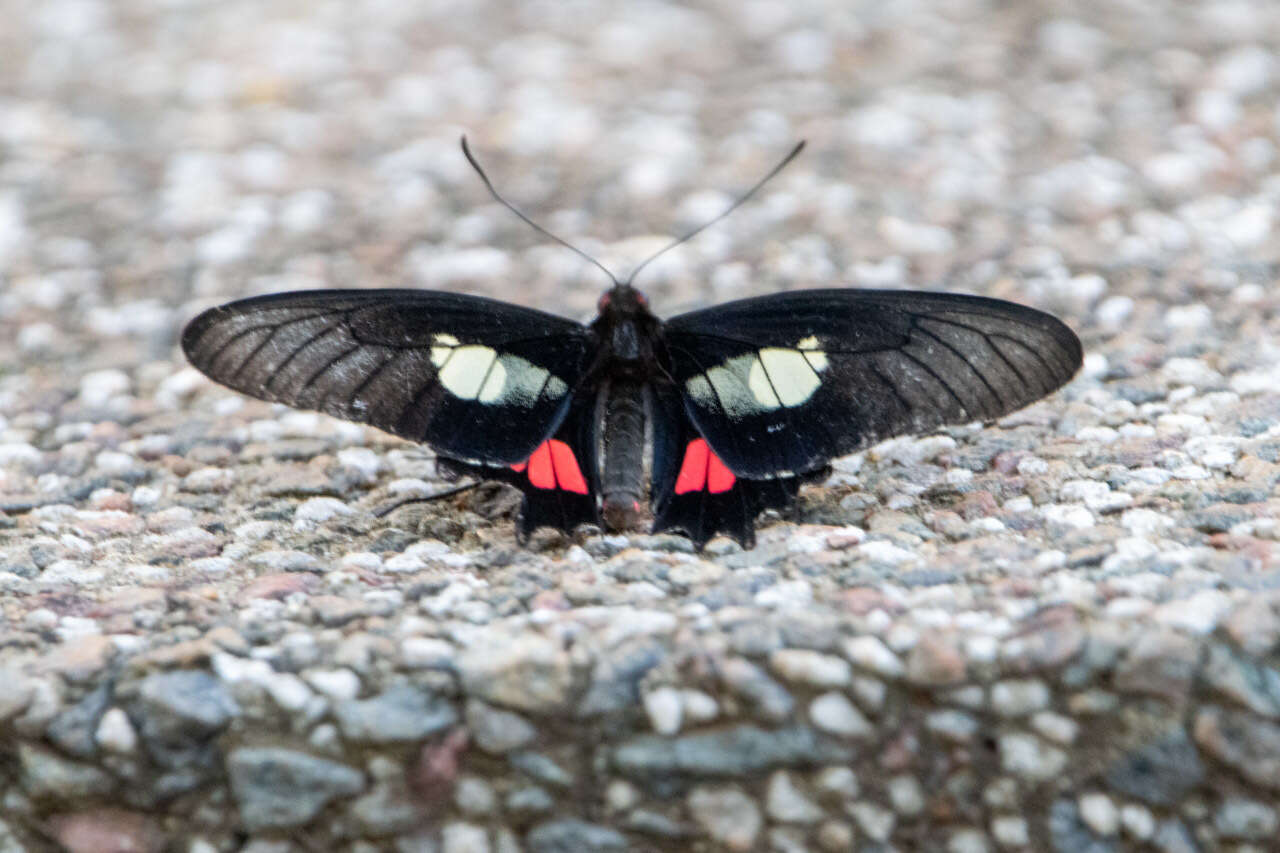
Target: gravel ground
{"x": 1060, "y": 632}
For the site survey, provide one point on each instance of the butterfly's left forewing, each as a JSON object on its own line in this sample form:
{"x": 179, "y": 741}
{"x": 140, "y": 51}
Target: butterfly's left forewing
{"x": 478, "y": 380}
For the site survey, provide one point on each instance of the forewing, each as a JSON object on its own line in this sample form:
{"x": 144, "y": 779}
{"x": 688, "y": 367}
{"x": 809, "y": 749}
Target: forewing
{"x": 476, "y": 379}
{"x": 783, "y": 383}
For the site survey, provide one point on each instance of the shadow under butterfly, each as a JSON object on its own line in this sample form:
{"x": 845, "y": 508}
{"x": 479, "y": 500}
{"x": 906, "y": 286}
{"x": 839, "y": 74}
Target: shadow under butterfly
{"x": 741, "y": 403}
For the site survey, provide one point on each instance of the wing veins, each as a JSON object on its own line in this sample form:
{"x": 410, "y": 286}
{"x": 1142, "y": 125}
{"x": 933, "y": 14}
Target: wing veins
{"x": 960, "y": 355}
{"x": 279, "y": 371}
{"x": 946, "y": 386}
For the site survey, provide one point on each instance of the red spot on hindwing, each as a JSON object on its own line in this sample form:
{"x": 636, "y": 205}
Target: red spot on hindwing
{"x": 702, "y": 470}
{"x": 553, "y": 466}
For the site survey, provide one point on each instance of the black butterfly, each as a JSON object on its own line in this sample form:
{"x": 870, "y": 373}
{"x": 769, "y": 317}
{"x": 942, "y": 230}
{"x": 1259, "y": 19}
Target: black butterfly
{"x": 742, "y": 402}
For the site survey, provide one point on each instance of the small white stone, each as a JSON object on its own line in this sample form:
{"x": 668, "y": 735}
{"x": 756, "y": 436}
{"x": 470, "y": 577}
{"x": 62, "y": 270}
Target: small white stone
{"x": 870, "y": 653}
{"x": 621, "y": 795}
{"x": 426, "y": 653}
{"x": 1099, "y": 813}
{"x": 1198, "y": 614}
{"x": 1010, "y": 831}
{"x": 1068, "y": 515}
{"x": 968, "y": 841}
{"x": 664, "y": 709}
{"x": 1028, "y": 757}
{"x": 474, "y": 795}
{"x": 115, "y": 732}
{"x": 99, "y": 386}
{"x": 699, "y": 707}
{"x": 337, "y": 684}
{"x": 873, "y": 819}
{"x": 317, "y": 510}
{"x": 834, "y": 713}
{"x": 1138, "y": 821}
{"x": 786, "y": 803}
{"x": 905, "y": 795}
{"x": 459, "y": 837}
{"x": 1018, "y": 697}
{"x": 1055, "y": 727}
{"x": 727, "y": 814}
{"x": 840, "y": 781}
{"x": 809, "y": 667}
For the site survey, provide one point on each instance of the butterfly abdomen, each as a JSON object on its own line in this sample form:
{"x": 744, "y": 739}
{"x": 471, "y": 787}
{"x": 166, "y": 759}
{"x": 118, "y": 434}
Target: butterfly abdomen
{"x": 622, "y": 477}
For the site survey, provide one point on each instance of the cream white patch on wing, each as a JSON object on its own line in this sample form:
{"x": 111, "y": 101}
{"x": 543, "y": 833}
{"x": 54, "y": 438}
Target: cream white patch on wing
{"x": 763, "y": 381}
{"x": 469, "y": 373}
{"x": 480, "y": 373}
{"x": 787, "y": 374}
{"x": 526, "y": 381}
{"x": 442, "y": 346}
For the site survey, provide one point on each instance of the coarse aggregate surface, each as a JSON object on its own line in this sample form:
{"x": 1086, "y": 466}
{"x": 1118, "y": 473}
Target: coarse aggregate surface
{"x": 1057, "y": 632}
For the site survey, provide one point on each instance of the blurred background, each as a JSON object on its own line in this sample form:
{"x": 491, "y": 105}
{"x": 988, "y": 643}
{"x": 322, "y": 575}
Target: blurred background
{"x": 1113, "y": 162}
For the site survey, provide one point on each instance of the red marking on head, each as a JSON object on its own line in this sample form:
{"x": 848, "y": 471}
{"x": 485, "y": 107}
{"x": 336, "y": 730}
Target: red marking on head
{"x": 552, "y": 465}
{"x": 702, "y": 470}
{"x": 603, "y": 302}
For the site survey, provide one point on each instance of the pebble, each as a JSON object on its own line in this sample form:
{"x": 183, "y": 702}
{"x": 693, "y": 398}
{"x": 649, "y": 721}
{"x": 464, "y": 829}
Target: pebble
{"x": 1028, "y": 757}
{"x": 870, "y": 653}
{"x": 399, "y": 714}
{"x": 787, "y": 803}
{"x": 1242, "y": 818}
{"x": 531, "y": 675}
{"x": 1017, "y": 698}
{"x": 727, "y": 814}
{"x": 905, "y": 795}
{"x": 833, "y": 713}
{"x": 812, "y": 668}
{"x": 875, "y": 821}
{"x": 1099, "y": 813}
{"x": 665, "y": 709}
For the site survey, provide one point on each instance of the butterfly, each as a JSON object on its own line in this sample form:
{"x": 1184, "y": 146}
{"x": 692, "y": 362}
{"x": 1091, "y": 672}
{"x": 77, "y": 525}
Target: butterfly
{"x": 709, "y": 417}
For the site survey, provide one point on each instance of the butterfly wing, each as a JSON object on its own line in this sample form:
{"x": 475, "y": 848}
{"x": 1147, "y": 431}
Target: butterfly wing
{"x": 771, "y": 389}
{"x": 478, "y": 380}
{"x": 695, "y": 492}
{"x": 779, "y": 385}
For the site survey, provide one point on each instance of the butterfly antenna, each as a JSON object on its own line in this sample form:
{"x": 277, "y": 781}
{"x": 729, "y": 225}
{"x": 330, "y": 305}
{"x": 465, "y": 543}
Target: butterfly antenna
{"x": 422, "y": 499}
{"x": 466, "y": 149}
{"x": 730, "y": 209}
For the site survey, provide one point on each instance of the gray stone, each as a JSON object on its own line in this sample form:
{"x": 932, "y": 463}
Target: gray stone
{"x": 45, "y": 774}
{"x": 615, "y": 678}
{"x": 1174, "y": 837}
{"x": 277, "y": 788}
{"x": 529, "y": 672}
{"x": 727, "y": 814}
{"x": 1069, "y": 834}
{"x": 574, "y": 836}
{"x": 1247, "y": 682}
{"x": 187, "y": 703}
{"x": 386, "y": 809}
{"x": 398, "y": 714}
{"x": 769, "y": 699}
{"x": 1160, "y": 772}
{"x": 1247, "y": 743}
{"x": 178, "y": 715}
{"x": 529, "y": 799}
{"x": 541, "y": 768}
{"x": 740, "y": 751}
{"x": 497, "y": 731}
{"x": 74, "y": 730}
{"x": 1245, "y": 819}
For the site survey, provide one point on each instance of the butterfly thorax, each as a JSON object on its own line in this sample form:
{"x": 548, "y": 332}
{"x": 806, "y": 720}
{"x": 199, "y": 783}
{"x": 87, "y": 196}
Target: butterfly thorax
{"x": 626, "y": 332}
